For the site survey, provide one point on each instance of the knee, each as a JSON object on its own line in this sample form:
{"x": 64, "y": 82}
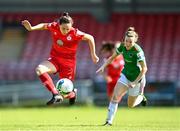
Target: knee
{"x": 39, "y": 70}
{"x": 114, "y": 98}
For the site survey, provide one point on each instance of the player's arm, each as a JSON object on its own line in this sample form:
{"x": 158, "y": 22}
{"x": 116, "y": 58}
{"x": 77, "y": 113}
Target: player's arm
{"x": 109, "y": 60}
{"x": 107, "y": 77}
{"x": 90, "y": 40}
{"x": 141, "y": 74}
{"x": 29, "y": 27}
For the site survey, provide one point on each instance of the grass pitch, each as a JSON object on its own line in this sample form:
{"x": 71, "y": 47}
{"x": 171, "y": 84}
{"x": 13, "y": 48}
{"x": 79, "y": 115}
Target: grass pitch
{"x": 79, "y": 118}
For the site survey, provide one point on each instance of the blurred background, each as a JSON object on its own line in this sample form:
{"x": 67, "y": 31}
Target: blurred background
{"x": 156, "y": 21}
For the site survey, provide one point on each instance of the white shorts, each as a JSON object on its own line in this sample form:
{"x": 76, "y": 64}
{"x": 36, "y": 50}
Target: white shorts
{"x": 137, "y": 90}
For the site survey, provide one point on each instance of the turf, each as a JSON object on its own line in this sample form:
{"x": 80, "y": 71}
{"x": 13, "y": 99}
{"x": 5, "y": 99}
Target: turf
{"x": 88, "y": 119}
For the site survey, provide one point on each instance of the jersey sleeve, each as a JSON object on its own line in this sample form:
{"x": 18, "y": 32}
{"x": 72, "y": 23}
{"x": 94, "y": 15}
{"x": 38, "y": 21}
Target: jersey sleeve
{"x": 79, "y": 35}
{"x": 52, "y": 26}
{"x": 119, "y": 49}
{"x": 140, "y": 56}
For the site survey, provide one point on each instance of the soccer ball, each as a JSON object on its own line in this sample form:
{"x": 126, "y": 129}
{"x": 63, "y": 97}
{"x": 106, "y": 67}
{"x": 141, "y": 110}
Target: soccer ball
{"x": 64, "y": 86}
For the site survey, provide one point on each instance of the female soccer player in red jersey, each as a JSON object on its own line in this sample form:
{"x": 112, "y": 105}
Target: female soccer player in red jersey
{"x": 114, "y": 69}
{"x": 62, "y": 57}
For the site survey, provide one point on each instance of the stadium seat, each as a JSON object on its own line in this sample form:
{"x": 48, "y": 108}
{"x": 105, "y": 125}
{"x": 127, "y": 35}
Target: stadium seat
{"x": 158, "y": 36}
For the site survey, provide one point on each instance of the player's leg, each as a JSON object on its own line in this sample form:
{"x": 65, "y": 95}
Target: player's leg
{"x": 46, "y": 67}
{"x": 134, "y": 100}
{"x": 142, "y": 86}
{"x": 110, "y": 89}
{"x": 42, "y": 71}
{"x": 73, "y": 97}
{"x": 119, "y": 91}
{"x": 68, "y": 71}
{"x": 136, "y": 94}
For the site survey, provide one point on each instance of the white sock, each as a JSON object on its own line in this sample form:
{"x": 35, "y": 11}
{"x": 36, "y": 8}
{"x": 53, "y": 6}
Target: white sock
{"x": 138, "y": 100}
{"x": 112, "y": 111}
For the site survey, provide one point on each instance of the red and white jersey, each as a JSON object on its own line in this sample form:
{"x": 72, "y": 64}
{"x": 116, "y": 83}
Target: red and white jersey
{"x": 114, "y": 69}
{"x": 64, "y": 46}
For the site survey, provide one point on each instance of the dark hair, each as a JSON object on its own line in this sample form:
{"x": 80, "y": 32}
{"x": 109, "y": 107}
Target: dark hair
{"x": 107, "y": 46}
{"x": 130, "y": 29}
{"x": 65, "y": 19}
{"x": 130, "y": 32}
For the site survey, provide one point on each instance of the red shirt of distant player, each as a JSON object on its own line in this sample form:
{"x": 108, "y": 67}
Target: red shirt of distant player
{"x": 114, "y": 70}
{"x": 63, "y": 51}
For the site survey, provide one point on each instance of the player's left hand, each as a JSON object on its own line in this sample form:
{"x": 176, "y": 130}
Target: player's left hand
{"x": 100, "y": 70}
{"x": 132, "y": 84}
{"x": 95, "y": 59}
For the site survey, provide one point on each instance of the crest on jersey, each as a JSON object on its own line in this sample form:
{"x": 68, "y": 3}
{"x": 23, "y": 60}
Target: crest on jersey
{"x": 59, "y": 42}
{"x": 130, "y": 55}
{"x": 69, "y": 38}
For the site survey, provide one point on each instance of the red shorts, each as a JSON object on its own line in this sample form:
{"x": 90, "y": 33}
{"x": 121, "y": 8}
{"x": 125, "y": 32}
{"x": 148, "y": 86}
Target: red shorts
{"x": 110, "y": 88}
{"x": 65, "y": 67}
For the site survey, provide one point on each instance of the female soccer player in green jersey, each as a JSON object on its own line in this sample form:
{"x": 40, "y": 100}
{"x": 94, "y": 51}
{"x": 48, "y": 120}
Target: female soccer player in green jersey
{"x": 132, "y": 78}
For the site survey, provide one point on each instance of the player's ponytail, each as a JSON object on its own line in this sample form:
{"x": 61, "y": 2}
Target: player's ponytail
{"x": 65, "y": 19}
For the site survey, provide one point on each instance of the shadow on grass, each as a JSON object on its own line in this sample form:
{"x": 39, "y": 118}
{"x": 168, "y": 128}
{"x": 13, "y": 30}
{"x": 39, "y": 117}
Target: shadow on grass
{"x": 78, "y": 125}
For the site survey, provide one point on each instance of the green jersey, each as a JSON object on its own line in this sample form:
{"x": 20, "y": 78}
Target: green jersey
{"x": 131, "y": 57}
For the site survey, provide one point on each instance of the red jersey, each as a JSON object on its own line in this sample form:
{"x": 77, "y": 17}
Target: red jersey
{"x": 114, "y": 69}
{"x": 64, "y": 46}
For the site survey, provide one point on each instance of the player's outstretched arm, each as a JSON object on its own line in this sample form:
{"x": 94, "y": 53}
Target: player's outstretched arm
{"x": 27, "y": 25}
{"x": 109, "y": 60}
{"x": 90, "y": 40}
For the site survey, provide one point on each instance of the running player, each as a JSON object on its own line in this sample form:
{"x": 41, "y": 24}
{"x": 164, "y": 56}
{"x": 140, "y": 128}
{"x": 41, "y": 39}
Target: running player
{"x": 62, "y": 57}
{"x": 132, "y": 79}
{"x": 114, "y": 68}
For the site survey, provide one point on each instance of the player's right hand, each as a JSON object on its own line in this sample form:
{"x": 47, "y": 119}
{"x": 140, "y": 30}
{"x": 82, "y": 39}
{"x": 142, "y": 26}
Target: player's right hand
{"x": 100, "y": 70}
{"x": 26, "y": 24}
